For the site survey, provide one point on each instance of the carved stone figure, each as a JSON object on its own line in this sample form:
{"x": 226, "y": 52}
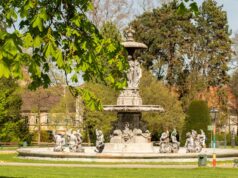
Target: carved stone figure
{"x": 164, "y": 143}
{"x": 116, "y": 136}
{"x": 59, "y": 142}
{"x": 202, "y": 138}
{"x": 99, "y": 141}
{"x": 127, "y": 134}
{"x": 233, "y": 136}
{"x": 134, "y": 73}
{"x": 137, "y": 74}
{"x": 175, "y": 142}
{"x": 73, "y": 141}
{"x": 195, "y": 142}
{"x": 79, "y": 141}
{"x": 189, "y": 144}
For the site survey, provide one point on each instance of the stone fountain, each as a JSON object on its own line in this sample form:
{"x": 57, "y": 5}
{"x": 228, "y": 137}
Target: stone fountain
{"x": 130, "y": 133}
{"x": 130, "y": 139}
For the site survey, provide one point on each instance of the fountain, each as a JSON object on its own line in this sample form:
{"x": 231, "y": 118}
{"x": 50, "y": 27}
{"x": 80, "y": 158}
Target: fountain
{"x": 130, "y": 133}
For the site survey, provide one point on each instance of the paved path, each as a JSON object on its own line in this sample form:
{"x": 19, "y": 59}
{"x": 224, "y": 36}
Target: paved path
{"x": 7, "y": 151}
{"x": 107, "y": 165}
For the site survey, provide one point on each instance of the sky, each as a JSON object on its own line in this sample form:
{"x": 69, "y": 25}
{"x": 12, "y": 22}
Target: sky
{"x": 231, "y": 7}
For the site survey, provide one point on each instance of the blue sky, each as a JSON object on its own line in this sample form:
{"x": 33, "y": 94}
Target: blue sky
{"x": 231, "y": 6}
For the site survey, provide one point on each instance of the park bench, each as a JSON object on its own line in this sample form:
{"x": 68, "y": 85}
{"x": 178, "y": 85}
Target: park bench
{"x": 235, "y": 163}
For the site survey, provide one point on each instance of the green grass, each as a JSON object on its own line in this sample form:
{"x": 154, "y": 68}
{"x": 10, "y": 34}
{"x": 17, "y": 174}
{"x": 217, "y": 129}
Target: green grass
{"x": 8, "y": 148}
{"x": 12, "y": 157}
{"x": 52, "y": 172}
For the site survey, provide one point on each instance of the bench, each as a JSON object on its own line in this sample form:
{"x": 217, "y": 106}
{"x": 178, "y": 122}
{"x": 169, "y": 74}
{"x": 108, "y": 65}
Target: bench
{"x": 235, "y": 163}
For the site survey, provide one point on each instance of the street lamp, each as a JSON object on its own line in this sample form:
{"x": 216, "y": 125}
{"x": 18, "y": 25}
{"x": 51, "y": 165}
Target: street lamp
{"x": 214, "y": 115}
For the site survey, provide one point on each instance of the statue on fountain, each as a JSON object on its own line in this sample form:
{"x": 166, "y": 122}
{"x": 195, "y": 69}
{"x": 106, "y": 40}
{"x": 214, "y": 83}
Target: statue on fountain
{"x": 59, "y": 142}
{"x": 165, "y": 145}
{"x": 175, "y": 142}
{"x": 127, "y": 134}
{"x": 195, "y": 142}
{"x": 99, "y": 141}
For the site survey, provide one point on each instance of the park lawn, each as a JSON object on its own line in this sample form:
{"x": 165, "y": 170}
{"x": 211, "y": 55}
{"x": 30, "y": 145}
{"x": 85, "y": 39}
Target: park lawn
{"x": 53, "y": 172}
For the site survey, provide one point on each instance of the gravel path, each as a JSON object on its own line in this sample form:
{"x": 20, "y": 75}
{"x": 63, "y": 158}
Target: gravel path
{"x": 106, "y": 165}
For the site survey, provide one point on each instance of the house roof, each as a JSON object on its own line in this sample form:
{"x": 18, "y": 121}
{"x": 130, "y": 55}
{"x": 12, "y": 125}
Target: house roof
{"x": 43, "y": 99}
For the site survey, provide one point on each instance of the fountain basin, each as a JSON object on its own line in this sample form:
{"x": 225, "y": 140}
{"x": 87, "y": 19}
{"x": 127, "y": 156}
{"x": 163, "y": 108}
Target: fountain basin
{"x": 90, "y": 155}
{"x": 133, "y": 108}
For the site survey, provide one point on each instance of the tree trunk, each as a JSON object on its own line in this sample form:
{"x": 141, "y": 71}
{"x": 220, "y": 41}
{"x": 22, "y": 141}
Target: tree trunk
{"x": 39, "y": 129}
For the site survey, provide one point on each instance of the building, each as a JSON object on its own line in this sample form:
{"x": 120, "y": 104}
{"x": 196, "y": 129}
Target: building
{"x": 51, "y": 109}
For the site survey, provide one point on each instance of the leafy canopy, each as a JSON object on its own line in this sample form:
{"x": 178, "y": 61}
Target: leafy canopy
{"x": 190, "y": 52}
{"x": 58, "y": 32}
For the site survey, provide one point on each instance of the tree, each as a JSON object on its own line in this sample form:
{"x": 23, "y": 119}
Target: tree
{"x": 154, "y": 92}
{"x": 190, "y": 52}
{"x": 166, "y": 44}
{"x": 99, "y": 119}
{"x": 234, "y": 89}
{"x": 58, "y": 32}
{"x": 116, "y": 11}
{"x": 109, "y": 30}
{"x": 213, "y": 50}
{"x": 197, "y": 118}
{"x": 13, "y": 126}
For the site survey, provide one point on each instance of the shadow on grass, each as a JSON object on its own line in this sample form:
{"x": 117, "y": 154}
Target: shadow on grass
{"x": 9, "y": 177}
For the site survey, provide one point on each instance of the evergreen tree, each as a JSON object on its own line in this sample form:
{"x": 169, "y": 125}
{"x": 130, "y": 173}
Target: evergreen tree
{"x": 197, "y": 118}
{"x": 213, "y": 45}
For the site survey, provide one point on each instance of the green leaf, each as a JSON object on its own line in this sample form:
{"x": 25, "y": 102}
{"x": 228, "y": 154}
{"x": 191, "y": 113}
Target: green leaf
{"x": 28, "y": 40}
{"x": 49, "y": 50}
{"x": 181, "y": 8}
{"x": 43, "y": 15}
{"x": 194, "y": 7}
{"x": 2, "y": 35}
{"x": 76, "y": 20}
{"x": 11, "y": 14}
{"x": 9, "y": 48}
{"x": 110, "y": 79}
{"x": 37, "y": 42}
{"x": 59, "y": 59}
{"x": 85, "y": 66}
{"x": 111, "y": 47}
{"x": 4, "y": 69}
{"x": 37, "y": 22}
